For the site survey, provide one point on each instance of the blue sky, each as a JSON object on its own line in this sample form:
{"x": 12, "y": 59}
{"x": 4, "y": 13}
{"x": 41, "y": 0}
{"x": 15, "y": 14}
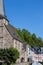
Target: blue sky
{"x": 26, "y": 14}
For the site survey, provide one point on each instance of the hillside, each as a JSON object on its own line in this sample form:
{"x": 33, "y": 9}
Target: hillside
{"x": 31, "y": 39}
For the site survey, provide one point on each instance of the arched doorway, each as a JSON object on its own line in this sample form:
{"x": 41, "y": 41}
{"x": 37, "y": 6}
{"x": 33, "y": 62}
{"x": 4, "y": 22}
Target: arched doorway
{"x": 22, "y": 59}
{"x": 27, "y": 59}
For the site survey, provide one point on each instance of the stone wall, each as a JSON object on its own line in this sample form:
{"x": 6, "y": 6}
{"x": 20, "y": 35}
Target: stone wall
{"x": 26, "y": 63}
{"x": 21, "y": 49}
{"x": 6, "y": 39}
{"x": 1, "y": 33}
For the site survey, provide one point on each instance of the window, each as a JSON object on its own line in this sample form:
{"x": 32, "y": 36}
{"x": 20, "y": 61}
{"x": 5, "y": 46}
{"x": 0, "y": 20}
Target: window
{"x": 1, "y": 23}
{"x": 22, "y": 59}
{"x": 1, "y": 31}
{"x": 1, "y": 39}
{"x": 27, "y": 59}
{"x": 16, "y": 43}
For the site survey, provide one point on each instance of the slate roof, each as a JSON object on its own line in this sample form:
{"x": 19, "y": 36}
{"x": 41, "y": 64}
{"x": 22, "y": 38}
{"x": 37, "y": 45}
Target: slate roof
{"x": 13, "y": 31}
{"x": 37, "y": 50}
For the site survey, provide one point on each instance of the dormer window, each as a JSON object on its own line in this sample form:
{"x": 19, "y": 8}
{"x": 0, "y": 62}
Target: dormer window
{"x": 5, "y": 22}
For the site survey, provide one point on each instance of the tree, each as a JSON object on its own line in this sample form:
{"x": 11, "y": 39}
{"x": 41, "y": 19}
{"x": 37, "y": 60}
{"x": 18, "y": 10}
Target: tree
{"x": 9, "y": 55}
{"x": 20, "y": 34}
{"x": 31, "y": 39}
{"x": 26, "y": 35}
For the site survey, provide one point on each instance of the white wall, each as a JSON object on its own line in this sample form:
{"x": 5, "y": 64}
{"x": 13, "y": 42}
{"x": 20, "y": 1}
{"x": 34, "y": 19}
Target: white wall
{"x": 35, "y": 57}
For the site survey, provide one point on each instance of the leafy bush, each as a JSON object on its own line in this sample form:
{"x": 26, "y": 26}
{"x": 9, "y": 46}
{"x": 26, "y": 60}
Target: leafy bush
{"x": 9, "y": 55}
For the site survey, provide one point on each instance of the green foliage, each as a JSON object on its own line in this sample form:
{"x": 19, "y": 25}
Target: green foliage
{"x": 21, "y": 34}
{"x": 41, "y": 63}
{"x": 9, "y": 55}
{"x": 31, "y": 39}
{"x": 4, "y": 64}
{"x": 26, "y": 35}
